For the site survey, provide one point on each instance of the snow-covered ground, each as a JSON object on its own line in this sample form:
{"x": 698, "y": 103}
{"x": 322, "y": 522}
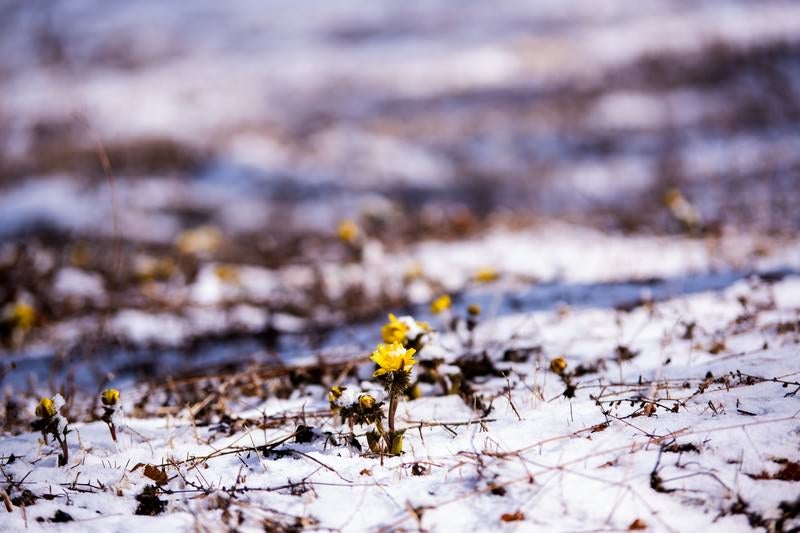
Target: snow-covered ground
{"x": 685, "y": 415}
{"x": 613, "y": 183}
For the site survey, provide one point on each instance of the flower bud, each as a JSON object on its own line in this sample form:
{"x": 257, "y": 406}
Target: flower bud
{"x": 397, "y": 443}
{"x": 366, "y": 402}
{"x": 110, "y": 397}
{"x": 46, "y": 408}
{"x": 374, "y": 441}
{"x": 335, "y": 393}
{"x": 558, "y": 365}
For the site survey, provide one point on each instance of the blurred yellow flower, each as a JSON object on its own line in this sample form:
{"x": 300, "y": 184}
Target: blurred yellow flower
{"x": 23, "y": 316}
{"x": 486, "y": 275}
{"x": 335, "y": 393}
{"x": 149, "y": 268}
{"x": 227, "y": 274}
{"x": 348, "y": 231}
{"x": 79, "y": 255}
{"x": 394, "y": 330}
{"x": 46, "y": 408}
{"x": 200, "y": 240}
{"x": 414, "y": 271}
{"x": 393, "y": 358}
{"x": 440, "y": 304}
{"x": 110, "y": 397}
{"x": 558, "y": 365}
{"x": 682, "y": 209}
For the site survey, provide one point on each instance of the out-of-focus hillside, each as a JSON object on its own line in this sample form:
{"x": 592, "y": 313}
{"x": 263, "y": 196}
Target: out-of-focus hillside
{"x": 288, "y": 117}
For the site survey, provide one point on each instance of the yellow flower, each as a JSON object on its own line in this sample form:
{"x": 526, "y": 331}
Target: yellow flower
{"x": 440, "y": 304}
{"x": 394, "y": 330}
{"x": 348, "y": 231}
{"x": 682, "y": 209}
{"x": 558, "y": 365}
{"x": 110, "y": 397}
{"x": 673, "y": 197}
{"x": 149, "y": 268}
{"x": 46, "y": 408}
{"x": 486, "y": 275}
{"x": 366, "y": 401}
{"x": 335, "y": 393}
{"x": 199, "y": 241}
{"x": 227, "y": 274}
{"x": 393, "y": 358}
{"x": 23, "y": 316}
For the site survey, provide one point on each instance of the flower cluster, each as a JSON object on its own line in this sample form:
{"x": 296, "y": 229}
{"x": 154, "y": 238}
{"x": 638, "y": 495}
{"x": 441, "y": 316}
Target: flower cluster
{"x": 404, "y": 340}
{"x": 51, "y": 422}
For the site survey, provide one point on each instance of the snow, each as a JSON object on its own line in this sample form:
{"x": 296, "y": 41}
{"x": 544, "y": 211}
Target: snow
{"x": 75, "y": 283}
{"x": 551, "y": 459}
{"x": 684, "y": 349}
{"x": 171, "y": 84}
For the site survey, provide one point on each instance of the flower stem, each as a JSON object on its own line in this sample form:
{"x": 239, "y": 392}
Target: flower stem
{"x": 64, "y": 457}
{"x": 392, "y": 411}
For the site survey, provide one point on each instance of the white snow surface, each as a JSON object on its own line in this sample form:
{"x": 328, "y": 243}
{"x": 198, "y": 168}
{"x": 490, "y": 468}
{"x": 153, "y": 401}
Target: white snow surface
{"x": 546, "y": 461}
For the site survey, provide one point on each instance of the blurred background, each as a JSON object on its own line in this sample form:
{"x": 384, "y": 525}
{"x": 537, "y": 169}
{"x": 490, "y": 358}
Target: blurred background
{"x": 173, "y": 172}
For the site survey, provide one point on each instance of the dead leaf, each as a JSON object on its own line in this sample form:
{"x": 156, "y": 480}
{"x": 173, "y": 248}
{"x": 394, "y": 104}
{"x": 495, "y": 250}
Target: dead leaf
{"x": 789, "y": 472}
{"x": 152, "y": 472}
{"x": 512, "y": 517}
{"x": 637, "y": 524}
{"x": 717, "y": 347}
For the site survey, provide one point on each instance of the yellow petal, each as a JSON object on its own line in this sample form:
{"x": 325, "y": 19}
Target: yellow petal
{"x": 46, "y": 408}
